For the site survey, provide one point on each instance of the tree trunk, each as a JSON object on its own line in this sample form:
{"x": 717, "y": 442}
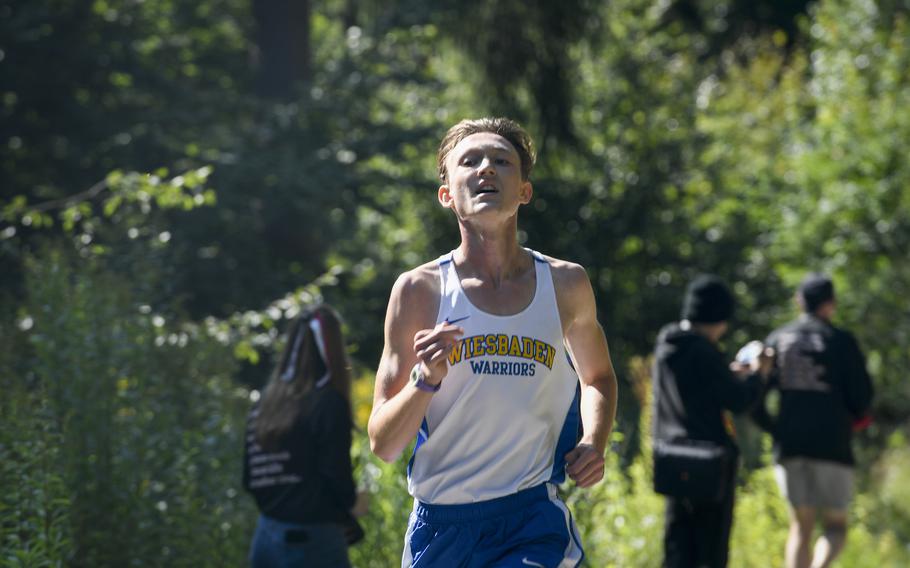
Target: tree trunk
{"x": 283, "y": 36}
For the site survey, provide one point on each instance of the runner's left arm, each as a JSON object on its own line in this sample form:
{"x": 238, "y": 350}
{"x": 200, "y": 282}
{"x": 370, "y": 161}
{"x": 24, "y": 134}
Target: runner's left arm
{"x": 589, "y": 351}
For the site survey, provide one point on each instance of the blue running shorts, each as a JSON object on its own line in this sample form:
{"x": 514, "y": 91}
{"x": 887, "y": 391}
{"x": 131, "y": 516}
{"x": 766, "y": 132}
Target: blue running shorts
{"x": 530, "y": 528}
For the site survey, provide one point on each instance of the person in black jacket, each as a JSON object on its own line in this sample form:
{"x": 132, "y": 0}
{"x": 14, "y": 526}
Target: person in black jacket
{"x": 825, "y": 390}
{"x": 694, "y": 388}
{"x": 297, "y": 462}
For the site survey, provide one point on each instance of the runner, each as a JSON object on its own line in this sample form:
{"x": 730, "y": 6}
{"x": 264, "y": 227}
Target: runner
{"x": 476, "y": 367}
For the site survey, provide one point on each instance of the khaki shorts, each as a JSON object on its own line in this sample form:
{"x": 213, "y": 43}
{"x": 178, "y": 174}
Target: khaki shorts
{"x": 814, "y": 483}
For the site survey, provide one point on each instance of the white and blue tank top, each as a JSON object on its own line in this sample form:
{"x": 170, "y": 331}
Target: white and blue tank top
{"x": 507, "y": 412}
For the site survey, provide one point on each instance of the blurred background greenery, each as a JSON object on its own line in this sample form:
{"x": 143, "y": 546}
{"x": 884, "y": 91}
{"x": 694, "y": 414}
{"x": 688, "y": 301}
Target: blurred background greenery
{"x": 178, "y": 178}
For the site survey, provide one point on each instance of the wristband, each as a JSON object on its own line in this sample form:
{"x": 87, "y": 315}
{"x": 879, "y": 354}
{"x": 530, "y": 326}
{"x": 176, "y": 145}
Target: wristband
{"x": 418, "y": 379}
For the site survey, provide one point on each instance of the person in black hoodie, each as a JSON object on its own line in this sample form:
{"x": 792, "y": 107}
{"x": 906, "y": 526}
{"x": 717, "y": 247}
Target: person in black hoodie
{"x": 297, "y": 459}
{"x": 694, "y": 388}
{"x": 825, "y": 392}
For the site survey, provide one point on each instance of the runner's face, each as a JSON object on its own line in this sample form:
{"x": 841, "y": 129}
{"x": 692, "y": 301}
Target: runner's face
{"x": 484, "y": 174}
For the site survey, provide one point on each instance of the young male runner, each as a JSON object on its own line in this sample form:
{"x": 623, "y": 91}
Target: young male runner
{"x": 475, "y": 367}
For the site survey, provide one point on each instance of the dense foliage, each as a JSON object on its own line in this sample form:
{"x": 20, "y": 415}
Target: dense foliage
{"x": 175, "y": 188}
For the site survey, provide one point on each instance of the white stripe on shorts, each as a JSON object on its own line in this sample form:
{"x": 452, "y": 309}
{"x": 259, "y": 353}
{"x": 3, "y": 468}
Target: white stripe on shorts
{"x": 573, "y": 554}
{"x": 407, "y": 556}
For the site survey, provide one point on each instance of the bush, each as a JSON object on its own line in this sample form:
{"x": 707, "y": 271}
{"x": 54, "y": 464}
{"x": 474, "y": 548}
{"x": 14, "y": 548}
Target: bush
{"x": 124, "y": 440}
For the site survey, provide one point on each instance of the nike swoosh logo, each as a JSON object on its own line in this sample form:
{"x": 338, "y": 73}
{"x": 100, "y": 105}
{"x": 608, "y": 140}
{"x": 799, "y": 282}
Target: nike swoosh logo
{"x": 527, "y": 562}
{"x": 457, "y": 319}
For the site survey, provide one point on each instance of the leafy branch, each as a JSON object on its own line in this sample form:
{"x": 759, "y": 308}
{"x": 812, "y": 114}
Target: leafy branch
{"x": 118, "y": 189}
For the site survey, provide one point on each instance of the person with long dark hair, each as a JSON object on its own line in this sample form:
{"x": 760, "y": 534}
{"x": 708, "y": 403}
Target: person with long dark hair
{"x": 297, "y": 463}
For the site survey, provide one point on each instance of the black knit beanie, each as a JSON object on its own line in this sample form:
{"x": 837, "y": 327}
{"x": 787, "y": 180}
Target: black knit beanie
{"x": 815, "y": 290}
{"x": 708, "y": 300}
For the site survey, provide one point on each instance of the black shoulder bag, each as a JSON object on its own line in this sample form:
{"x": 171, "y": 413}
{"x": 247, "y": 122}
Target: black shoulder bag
{"x": 696, "y": 470}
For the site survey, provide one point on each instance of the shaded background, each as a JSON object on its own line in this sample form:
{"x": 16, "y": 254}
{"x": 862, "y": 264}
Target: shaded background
{"x": 178, "y": 178}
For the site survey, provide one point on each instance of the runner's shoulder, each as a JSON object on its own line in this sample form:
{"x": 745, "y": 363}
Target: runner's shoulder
{"x": 418, "y": 286}
{"x": 567, "y": 276}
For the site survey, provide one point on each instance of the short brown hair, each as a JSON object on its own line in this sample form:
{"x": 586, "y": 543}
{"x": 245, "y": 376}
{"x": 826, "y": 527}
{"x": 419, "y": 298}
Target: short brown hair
{"x": 507, "y": 128}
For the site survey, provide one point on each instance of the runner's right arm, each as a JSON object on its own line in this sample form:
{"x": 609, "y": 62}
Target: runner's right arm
{"x": 411, "y": 337}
